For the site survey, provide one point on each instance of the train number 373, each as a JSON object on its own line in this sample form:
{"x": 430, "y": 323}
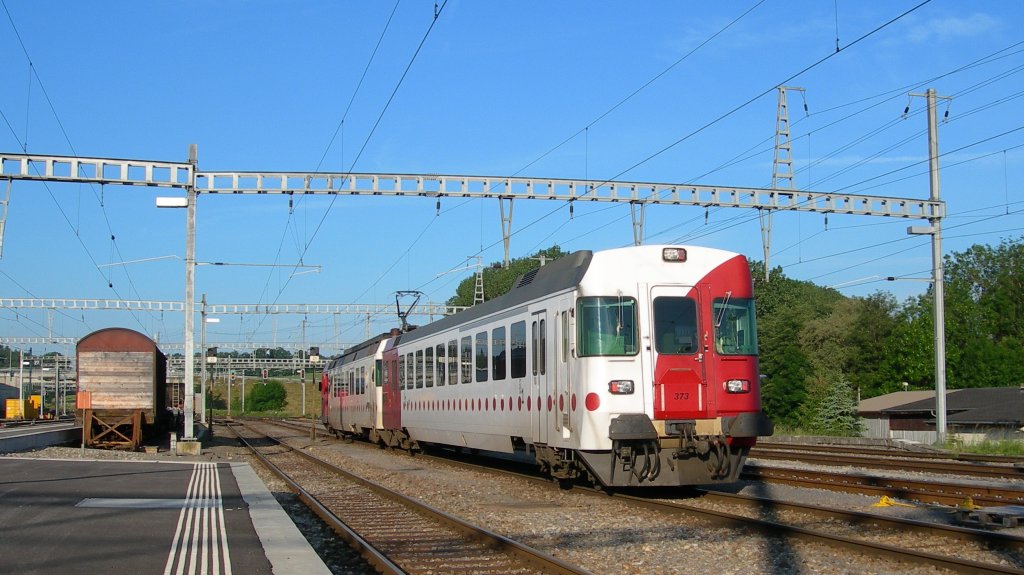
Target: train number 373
{"x": 682, "y": 396}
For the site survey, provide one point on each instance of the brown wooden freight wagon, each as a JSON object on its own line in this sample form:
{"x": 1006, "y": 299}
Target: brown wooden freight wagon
{"x": 122, "y": 388}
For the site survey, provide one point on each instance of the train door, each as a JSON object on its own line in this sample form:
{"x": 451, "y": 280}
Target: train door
{"x": 679, "y": 353}
{"x": 560, "y": 367}
{"x": 391, "y": 398}
{"x": 334, "y": 411}
{"x": 325, "y": 396}
{"x": 539, "y": 376}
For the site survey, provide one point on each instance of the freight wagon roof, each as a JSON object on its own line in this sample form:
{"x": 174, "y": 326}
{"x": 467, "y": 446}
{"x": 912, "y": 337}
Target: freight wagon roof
{"x": 561, "y": 274}
{"x": 117, "y": 339}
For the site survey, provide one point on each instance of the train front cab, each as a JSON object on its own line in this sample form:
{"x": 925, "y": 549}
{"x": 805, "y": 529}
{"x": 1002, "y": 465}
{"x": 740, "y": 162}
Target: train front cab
{"x": 699, "y": 343}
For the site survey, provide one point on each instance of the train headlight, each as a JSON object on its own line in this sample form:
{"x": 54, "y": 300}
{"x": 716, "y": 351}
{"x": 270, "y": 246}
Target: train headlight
{"x": 673, "y": 254}
{"x": 737, "y": 386}
{"x": 620, "y": 386}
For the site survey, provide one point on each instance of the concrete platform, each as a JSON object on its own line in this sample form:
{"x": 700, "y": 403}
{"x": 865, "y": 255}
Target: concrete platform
{"x": 26, "y": 437}
{"x": 81, "y": 516}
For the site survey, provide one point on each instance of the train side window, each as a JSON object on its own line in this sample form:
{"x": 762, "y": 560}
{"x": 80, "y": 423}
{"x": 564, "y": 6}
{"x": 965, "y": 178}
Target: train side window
{"x": 410, "y": 367}
{"x": 453, "y": 362}
{"x": 383, "y": 375}
{"x": 401, "y": 372}
{"x": 735, "y": 326}
{"x": 364, "y": 379}
{"x": 419, "y": 368}
{"x": 564, "y": 349}
{"x": 428, "y": 366}
{"x": 606, "y": 326}
{"x": 352, "y": 382}
{"x": 517, "y": 351}
{"x": 533, "y": 346}
{"x": 498, "y": 354}
{"x": 467, "y": 359}
{"x": 442, "y": 364}
{"x": 542, "y": 350}
{"x": 481, "y": 356}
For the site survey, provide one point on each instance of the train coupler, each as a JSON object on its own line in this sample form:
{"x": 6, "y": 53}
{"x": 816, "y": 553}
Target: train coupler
{"x": 635, "y": 447}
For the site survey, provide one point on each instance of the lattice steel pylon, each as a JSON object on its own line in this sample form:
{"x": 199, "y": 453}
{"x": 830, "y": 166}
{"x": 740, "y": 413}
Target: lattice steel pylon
{"x": 478, "y": 290}
{"x": 782, "y": 169}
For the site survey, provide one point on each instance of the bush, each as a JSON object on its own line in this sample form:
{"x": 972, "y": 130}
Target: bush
{"x": 266, "y": 397}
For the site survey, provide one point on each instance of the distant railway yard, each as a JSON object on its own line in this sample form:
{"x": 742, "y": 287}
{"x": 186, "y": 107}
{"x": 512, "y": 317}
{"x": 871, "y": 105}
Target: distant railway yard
{"x": 790, "y": 513}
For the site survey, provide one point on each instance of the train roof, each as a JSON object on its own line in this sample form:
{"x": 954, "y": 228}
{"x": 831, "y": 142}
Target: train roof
{"x": 360, "y": 350}
{"x": 117, "y": 339}
{"x": 561, "y": 274}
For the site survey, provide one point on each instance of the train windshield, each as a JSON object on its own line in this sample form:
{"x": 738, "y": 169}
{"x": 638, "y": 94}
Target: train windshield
{"x": 606, "y": 326}
{"x": 735, "y": 326}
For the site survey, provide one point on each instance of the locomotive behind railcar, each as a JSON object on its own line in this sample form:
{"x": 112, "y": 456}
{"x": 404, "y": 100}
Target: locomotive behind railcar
{"x": 122, "y": 385}
{"x": 629, "y": 367}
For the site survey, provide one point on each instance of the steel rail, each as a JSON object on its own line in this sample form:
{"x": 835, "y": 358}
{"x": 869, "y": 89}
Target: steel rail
{"x": 944, "y": 493}
{"x": 775, "y": 529}
{"x": 766, "y": 449}
{"x": 861, "y": 518}
{"x": 891, "y": 462}
{"x": 372, "y": 555}
{"x": 533, "y": 558}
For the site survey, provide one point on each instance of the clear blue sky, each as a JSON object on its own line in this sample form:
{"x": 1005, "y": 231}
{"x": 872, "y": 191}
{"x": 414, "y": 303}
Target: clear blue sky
{"x": 494, "y": 90}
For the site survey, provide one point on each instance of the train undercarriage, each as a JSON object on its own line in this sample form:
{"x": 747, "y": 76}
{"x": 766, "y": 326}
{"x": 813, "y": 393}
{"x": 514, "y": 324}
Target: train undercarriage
{"x": 642, "y": 456}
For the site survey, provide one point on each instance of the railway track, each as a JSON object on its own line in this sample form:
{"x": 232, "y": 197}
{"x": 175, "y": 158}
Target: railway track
{"x": 848, "y": 531}
{"x": 925, "y": 491}
{"x": 873, "y": 458}
{"x": 394, "y": 533}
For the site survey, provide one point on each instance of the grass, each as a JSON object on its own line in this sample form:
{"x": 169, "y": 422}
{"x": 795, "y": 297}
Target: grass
{"x": 1012, "y": 447}
{"x": 293, "y": 391}
{"x": 784, "y": 430}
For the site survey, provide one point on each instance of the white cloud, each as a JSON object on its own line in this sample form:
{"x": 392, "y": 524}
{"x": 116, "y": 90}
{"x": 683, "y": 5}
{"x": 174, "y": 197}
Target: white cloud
{"x": 952, "y": 27}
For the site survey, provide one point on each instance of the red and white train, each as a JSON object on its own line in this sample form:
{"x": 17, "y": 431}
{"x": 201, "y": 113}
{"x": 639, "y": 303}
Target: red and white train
{"x": 627, "y": 367}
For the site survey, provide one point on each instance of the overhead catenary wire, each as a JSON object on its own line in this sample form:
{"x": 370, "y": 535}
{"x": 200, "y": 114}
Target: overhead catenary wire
{"x": 33, "y": 73}
{"x": 437, "y": 13}
{"x": 739, "y": 107}
{"x": 888, "y": 96}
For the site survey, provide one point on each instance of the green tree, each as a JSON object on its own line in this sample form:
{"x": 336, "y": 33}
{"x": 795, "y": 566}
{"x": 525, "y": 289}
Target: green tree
{"x": 266, "y": 397}
{"x": 498, "y": 280}
{"x": 984, "y": 311}
{"x": 785, "y": 309}
{"x": 909, "y": 351}
{"x": 874, "y": 323}
{"x": 984, "y": 306}
{"x": 831, "y": 406}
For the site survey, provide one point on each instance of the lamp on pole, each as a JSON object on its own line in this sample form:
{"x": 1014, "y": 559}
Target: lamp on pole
{"x": 209, "y": 356}
{"x": 189, "y": 203}
{"x": 935, "y": 231}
